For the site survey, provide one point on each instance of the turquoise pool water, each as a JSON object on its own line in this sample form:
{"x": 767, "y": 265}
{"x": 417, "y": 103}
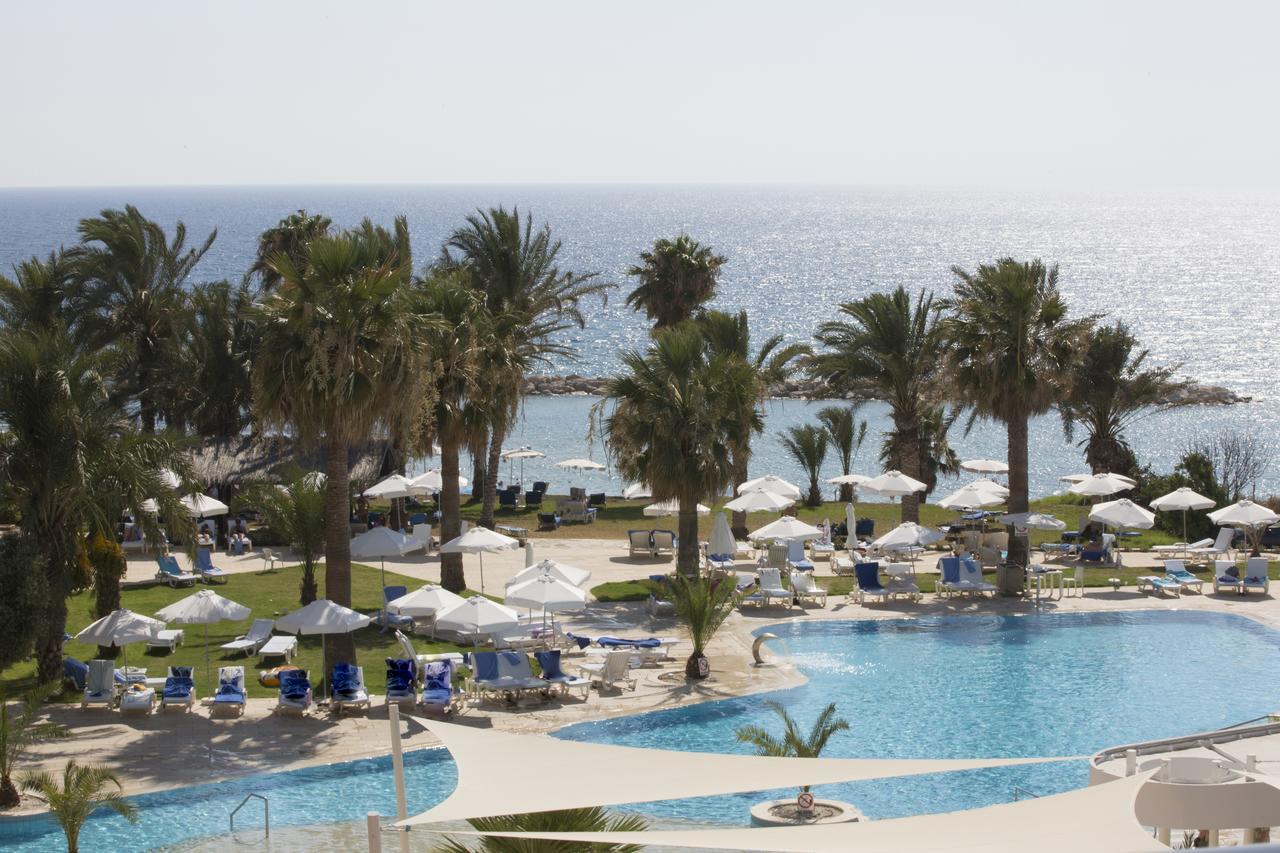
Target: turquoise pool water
{"x": 967, "y": 686}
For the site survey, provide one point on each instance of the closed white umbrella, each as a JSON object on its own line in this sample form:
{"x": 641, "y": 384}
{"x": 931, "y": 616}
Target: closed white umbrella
{"x": 580, "y": 465}
{"x": 1182, "y": 498}
{"x": 323, "y": 616}
{"x": 1102, "y": 485}
{"x": 548, "y": 593}
{"x": 475, "y": 616}
{"x": 894, "y": 484}
{"x": 671, "y": 507}
{"x": 770, "y": 483}
{"x": 204, "y": 608}
{"x": 1123, "y": 513}
{"x": 637, "y": 490}
{"x": 971, "y": 497}
{"x": 431, "y": 481}
{"x": 851, "y": 525}
{"x": 479, "y": 540}
{"x": 985, "y": 466}
{"x": 722, "y": 542}
{"x": 528, "y": 553}
{"x": 571, "y": 575}
{"x": 120, "y": 628}
{"x": 787, "y": 527}
{"x": 759, "y": 502}
{"x": 382, "y": 542}
{"x": 907, "y": 535}
{"x": 199, "y": 506}
{"x": 395, "y": 486}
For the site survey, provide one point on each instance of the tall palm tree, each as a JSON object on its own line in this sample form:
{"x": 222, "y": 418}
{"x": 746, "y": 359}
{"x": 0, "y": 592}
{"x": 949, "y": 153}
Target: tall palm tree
{"x": 132, "y": 277}
{"x": 671, "y": 423}
{"x": 288, "y": 237}
{"x": 793, "y": 743}
{"x": 676, "y": 278}
{"x": 339, "y": 356}
{"x": 807, "y": 444}
{"x": 729, "y": 336}
{"x": 935, "y": 454}
{"x": 891, "y": 348}
{"x": 39, "y": 294}
{"x": 213, "y": 392}
{"x": 1111, "y": 387}
{"x": 1011, "y": 348}
{"x": 297, "y": 513}
{"x": 20, "y": 729}
{"x": 846, "y": 434}
{"x": 531, "y": 300}
{"x": 81, "y": 792}
{"x": 592, "y": 819}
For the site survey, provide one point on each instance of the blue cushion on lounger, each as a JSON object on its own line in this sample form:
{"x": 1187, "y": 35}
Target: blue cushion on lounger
{"x": 622, "y": 642}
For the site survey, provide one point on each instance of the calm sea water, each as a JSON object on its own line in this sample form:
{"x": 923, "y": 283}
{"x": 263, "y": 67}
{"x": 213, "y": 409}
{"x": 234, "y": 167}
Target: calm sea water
{"x": 1195, "y": 274}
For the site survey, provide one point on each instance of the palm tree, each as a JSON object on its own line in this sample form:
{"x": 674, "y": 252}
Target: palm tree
{"x": 297, "y": 513}
{"x": 71, "y": 461}
{"x": 672, "y": 423}
{"x": 846, "y": 434}
{"x": 21, "y": 729}
{"x": 1111, "y": 387}
{"x": 702, "y": 604}
{"x": 935, "y": 454}
{"x": 531, "y": 300}
{"x": 793, "y": 744}
{"x": 339, "y": 356}
{"x": 890, "y": 348}
{"x": 592, "y": 819}
{"x": 132, "y": 277}
{"x": 212, "y": 392}
{"x": 288, "y": 237}
{"x": 676, "y": 278}
{"x": 80, "y": 794}
{"x": 39, "y": 294}
{"x": 729, "y": 335}
{"x": 1011, "y": 349}
{"x": 807, "y": 445}
{"x": 109, "y": 566}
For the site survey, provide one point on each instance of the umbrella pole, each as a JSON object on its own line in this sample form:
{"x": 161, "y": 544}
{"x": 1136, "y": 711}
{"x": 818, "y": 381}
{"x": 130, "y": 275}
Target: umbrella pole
{"x": 208, "y": 675}
{"x": 1184, "y": 525}
{"x": 482, "y": 564}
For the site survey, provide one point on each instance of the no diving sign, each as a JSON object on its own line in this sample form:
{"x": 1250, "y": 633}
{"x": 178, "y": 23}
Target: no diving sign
{"x": 804, "y": 802}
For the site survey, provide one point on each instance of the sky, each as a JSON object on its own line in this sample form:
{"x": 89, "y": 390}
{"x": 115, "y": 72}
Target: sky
{"x": 965, "y": 94}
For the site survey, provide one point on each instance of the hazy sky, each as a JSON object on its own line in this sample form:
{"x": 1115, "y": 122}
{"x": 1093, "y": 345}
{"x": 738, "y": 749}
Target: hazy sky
{"x": 1065, "y": 94}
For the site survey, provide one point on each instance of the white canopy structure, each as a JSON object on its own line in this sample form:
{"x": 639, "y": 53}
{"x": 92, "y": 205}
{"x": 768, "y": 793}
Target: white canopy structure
{"x": 204, "y": 608}
{"x": 425, "y": 601}
{"x": 637, "y": 490}
{"x": 760, "y": 501}
{"x": 985, "y": 466}
{"x": 521, "y": 453}
{"x": 907, "y": 535}
{"x": 1123, "y": 513}
{"x": 671, "y": 507}
{"x": 475, "y": 616}
{"x": 580, "y": 465}
{"x": 569, "y": 574}
{"x": 1101, "y": 485}
{"x": 394, "y": 486}
{"x": 431, "y": 481}
{"x": 204, "y": 506}
{"x": 894, "y": 484}
{"x": 1182, "y": 499}
{"x": 149, "y": 505}
{"x": 990, "y": 486}
{"x": 787, "y": 527}
{"x": 637, "y": 775}
{"x": 770, "y": 483}
{"x": 479, "y": 540}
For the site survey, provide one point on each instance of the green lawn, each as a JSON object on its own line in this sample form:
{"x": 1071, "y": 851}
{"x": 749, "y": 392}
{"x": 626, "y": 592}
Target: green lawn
{"x": 269, "y": 596}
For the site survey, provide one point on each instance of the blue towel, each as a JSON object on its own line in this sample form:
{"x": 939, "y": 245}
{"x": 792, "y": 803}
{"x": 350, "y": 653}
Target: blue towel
{"x": 75, "y": 671}
{"x": 229, "y": 691}
{"x": 178, "y": 688}
{"x": 346, "y": 680}
{"x": 622, "y": 642}
{"x": 582, "y": 642}
{"x": 549, "y": 663}
{"x": 868, "y": 576}
{"x": 294, "y": 684}
{"x": 485, "y": 665}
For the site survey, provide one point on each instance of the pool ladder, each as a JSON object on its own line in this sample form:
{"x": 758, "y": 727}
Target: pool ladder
{"x": 1019, "y": 792}
{"x": 266, "y": 816}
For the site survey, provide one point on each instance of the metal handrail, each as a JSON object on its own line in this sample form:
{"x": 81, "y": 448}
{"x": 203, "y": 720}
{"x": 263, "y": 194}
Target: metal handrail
{"x": 266, "y": 815}
{"x": 1019, "y": 792}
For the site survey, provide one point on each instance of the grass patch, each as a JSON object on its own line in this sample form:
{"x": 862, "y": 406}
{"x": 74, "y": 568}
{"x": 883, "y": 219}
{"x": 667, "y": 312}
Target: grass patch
{"x": 637, "y": 590}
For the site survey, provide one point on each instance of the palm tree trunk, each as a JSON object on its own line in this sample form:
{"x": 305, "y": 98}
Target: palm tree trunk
{"x": 337, "y": 545}
{"x": 452, "y": 577}
{"x": 1011, "y": 576}
{"x": 687, "y": 547}
{"x": 738, "y": 463}
{"x": 492, "y": 468}
{"x": 59, "y": 552}
{"x": 909, "y": 464}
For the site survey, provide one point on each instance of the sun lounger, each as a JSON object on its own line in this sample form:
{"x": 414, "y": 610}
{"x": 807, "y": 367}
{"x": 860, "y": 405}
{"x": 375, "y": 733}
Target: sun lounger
{"x": 902, "y": 582}
{"x": 386, "y": 618}
{"x": 805, "y": 589}
{"x": 100, "y": 684}
{"x": 796, "y": 560}
{"x": 1226, "y": 575}
{"x": 283, "y": 646}
{"x": 346, "y": 688}
{"x": 949, "y": 576}
{"x": 1104, "y": 552}
{"x": 1175, "y": 570}
{"x": 648, "y": 649}
{"x": 869, "y": 586}
{"x": 664, "y": 543}
{"x": 231, "y": 696}
{"x": 515, "y": 667}
{"x": 1159, "y": 585}
{"x": 615, "y": 669}
{"x": 1220, "y": 549}
{"x": 168, "y": 638}
{"x": 771, "y": 587}
{"x": 719, "y": 562}
{"x": 549, "y": 663}
{"x": 1255, "y": 576}
{"x": 137, "y": 698}
{"x": 640, "y": 543}
{"x": 437, "y": 688}
{"x": 249, "y": 643}
{"x": 75, "y": 673}
{"x": 421, "y": 536}
{"x": 295, "y": 692}
{"x": 171, "y": 573}
{"x": 179, "y": 689}
{"x": 209, "y": 573}
{"x": 488, "y": 682}
{"x": 971, "y": 578}
{"x": 400, "y": 677}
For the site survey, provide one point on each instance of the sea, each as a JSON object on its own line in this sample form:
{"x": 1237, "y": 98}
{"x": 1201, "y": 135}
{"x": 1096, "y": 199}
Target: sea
{"x": 1196, "y": 274}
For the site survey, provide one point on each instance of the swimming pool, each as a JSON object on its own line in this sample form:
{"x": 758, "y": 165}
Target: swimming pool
{"x": 964, "y": 686}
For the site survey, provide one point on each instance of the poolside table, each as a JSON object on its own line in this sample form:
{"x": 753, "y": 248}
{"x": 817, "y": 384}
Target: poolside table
{"x": 1040, "y": 574}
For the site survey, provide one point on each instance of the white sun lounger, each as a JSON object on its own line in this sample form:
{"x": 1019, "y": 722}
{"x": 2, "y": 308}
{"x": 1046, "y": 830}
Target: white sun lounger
{"x": 100, "y": 684}
{"x": 1159, "y": 585}
{"x": 805, "y": 589}
{"x": 283, "y": 646}
{"x": 169, "y": 638}
{"x": 902, "y": 582}
{"x": 1220, "y": 549}
{"x": 613, "y": 670}
{"x": 137, "y": 699}
{"x": 259, "y": 633}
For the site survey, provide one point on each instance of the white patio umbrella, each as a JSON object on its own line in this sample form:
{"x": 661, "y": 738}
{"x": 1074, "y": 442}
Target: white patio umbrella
{"x": 637, "y": 490}
{"x": 204, "y": 608}
{"x": 120, "y": 628}
{"x": 1033, "y": 521}
{"x": 203, "y": 506}
{"x": 149, "y": 505}
{"x": 971, "y": 497}
{"x": 323, "y": 616}
{"x": 521, "y": 453}
{"x": 170, "y": 479}
{"x": 431, "y": 481}
{"x": 424, "y": 602}
{"x": 1182, "y": 498}
{"x": 848, "y": 480}
{"x": 770, "y": 483}
{"x": 1247, "y": 514}
{"x": 787, "y": 527}
{"x": 1102, "y": 485}
{"x": 479, "y": 540}
{"x": 894, "y": 484}
{"x": 671, "y": 507}
{"x": 722, "y": 541}
{"x": 907, "y": 535}
{"x": 571, "y": 575}
{"x": 990, "y": 486}
{"x": 475, "y": 616}
{"x": 985, "y": 466}
{"x": 395, "y": 486}
{"x": 759, "y": 502}
{"x": 1123, "y": 513}
{"x": 548, "y": 593}
{"x": 580, "y": 465}
{"x": 382, "y": 542}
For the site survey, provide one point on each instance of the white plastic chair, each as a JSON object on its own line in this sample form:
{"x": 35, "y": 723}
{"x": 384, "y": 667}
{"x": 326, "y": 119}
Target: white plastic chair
{"x": 1074, "y": 581}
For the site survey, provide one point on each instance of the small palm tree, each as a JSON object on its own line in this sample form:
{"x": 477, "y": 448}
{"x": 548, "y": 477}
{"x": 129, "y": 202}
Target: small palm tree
{"x": 846, "y": 434}
{"x": 566, "y": 820}
{"x": 935, "y": 454}
{"x": 807, "y": 445}
{"x": 80, "y": 794}
{"x": 297, "y": 514}
{"x": 702, "y": 605}
{"x": 288, "y": 237}
{"x": 38, "y": 294}
{"x": 792, "y": 743}
{"x": 20, "y": 729}
{"x": 676, "y": 278}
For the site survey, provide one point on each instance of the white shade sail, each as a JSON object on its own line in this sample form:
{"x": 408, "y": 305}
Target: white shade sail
{"x": 894, "y": 484}
{"x": 569, "y": 574}
{"x": 204, "y": 506}
{"x": 907, "y": 535}
{"x": 431, "y": 481}
{"x": 770, "y": 483}
{"x": 722, "y": 542}
{"x": 322, "y": 616}
{"x": 1182, "y": 498}
{"x": 203, "y": 608}
{"x": 849, "y": 480}
{"x": 395, "y": 486}
{"x": 580, "y": 465}
{"x": 425, "y": 601}
{"x": 671, "y": 507}
{"x": 985, "y": 466}
{"x": 787, "y": 527}
{"x": 546, "y": 593}
{"x": 479, "y": 540}
{"x": 971, "y": 497}
{"x": 1244, "y": 513}
{"x": 761, "y": 501}
{"x": 1034, "y": 521}
{"x": 1101, "y": 485}
{"x": 522, "y": 453}
{"x": 1123, "y": 513}
{"x": 636, "y": 491}
{"x": 119, "y": 628}
{"x": 476, "y": 615}
{"x": 382, "y": 542}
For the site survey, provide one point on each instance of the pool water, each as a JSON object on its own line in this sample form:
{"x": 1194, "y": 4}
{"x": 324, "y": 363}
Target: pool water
{"x": 947, "y": 687}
